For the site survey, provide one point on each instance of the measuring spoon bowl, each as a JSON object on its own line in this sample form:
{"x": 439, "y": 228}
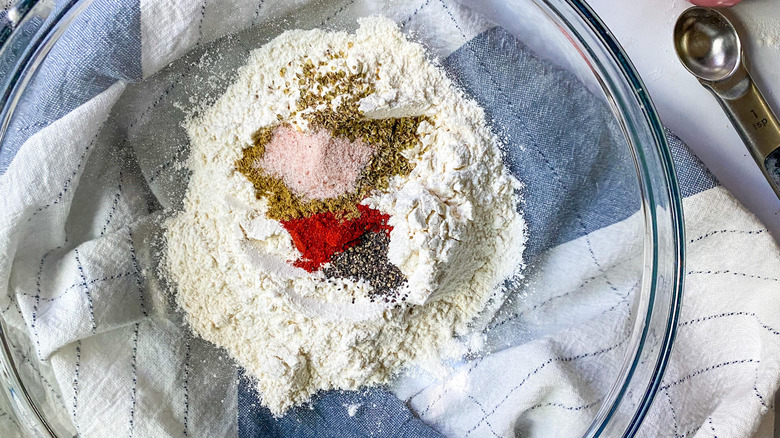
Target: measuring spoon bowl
{"x": 707, "y": 44}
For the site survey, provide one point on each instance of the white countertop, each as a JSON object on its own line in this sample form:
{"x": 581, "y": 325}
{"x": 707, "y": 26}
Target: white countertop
{"x": 644, "y": 29}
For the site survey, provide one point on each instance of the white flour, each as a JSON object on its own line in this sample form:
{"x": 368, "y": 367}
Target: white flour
{"x": 457, "y": 235}
{"x": 767, "y": 32}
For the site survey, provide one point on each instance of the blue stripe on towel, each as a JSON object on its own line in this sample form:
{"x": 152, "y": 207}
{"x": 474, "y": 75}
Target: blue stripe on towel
{"x": 564, "y": 199}
{"x": 87, "y": 60}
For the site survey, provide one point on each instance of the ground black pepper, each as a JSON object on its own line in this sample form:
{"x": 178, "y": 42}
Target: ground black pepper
{"x": 368, "y": 261}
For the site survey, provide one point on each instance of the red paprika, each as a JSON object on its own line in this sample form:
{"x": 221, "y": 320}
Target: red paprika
{"x": 321, "y": 236}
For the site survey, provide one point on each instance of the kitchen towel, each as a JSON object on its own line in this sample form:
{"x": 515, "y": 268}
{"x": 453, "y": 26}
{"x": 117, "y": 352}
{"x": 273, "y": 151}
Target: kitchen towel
{"x": 90, "y": 169}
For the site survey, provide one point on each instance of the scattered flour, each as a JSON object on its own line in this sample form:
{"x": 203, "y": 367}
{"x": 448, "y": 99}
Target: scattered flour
{"x": 353, "y": 409}
{"x": 765, "y": 31}
{"x": 457, "y": 234}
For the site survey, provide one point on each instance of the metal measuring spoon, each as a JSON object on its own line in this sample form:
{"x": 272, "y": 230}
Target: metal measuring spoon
{"x": 709, "y": 47}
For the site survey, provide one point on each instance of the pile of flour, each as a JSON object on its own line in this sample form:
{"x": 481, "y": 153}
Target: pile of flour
{"x": 457, "y": 234}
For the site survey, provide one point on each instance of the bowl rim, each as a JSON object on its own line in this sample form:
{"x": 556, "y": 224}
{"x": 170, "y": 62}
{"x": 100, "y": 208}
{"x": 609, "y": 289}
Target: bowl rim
{"x": 668, "y": 197}
{"x": 632, "y": 97}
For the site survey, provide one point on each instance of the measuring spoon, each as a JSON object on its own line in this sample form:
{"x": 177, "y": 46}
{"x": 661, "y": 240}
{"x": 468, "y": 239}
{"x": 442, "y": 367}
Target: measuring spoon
{"x": 708, "y": 45}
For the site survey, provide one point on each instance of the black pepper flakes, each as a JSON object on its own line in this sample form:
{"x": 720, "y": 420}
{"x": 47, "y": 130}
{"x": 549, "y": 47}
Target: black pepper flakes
{"x": 368, "y": 261}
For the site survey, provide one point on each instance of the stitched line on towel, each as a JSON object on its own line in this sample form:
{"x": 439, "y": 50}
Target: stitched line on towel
{"x": 707, "y": 369}
{"x": 257, "y": 12}
{"x": 674, "y": 415}
{"x": 584, "y": 283}
{"x": 26, "y": 359}
{"x": 86, "y": 291}
{"x": 482, "y": 408}
{"x": 472, "y": 367}
{"x": 37, "y": 297}
{"x": 200, "y": 22}
{"x": 37, "y": 303}
{"x": 76, "y": 383}
{"x": 75, "y": 285}
{"x": 590, "y": 248}
{"x": 341, "y": 9}
{"x": 543, "y": 303}
{"x": 539, "y": 368}
{"x": 3, "y": 415}
{"x": 165, "y": 166}
{"x": 186, "y": 381}
{"x": 535, "y": 147}
{"x": 134, "y": 369}
{"x": 12, "y": 302}
{"x": 31, "y": 125}
{"x": 114, "y": 204}
{"x": 729, "y": 314}
{"x": 68, "y": 181}
{"x": 712, "y": 233}
{"x": 709, "y": 420}
{"x": 160, "y": 98}
{"x": 624, "y": 299}
{"x": 562, "y": 406}
{"x": 758, "y": 394}
{"x": 419, "y": 8}
{"x": 690, "y": 432}
{"x": 138, "y": 279}
{"x": 726, "y": 271}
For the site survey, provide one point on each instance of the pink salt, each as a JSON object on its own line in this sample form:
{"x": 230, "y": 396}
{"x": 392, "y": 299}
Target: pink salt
{"x": 315, "y": 165}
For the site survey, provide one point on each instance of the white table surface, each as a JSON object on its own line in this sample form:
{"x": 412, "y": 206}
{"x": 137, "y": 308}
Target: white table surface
{"x": 644, "y": 29}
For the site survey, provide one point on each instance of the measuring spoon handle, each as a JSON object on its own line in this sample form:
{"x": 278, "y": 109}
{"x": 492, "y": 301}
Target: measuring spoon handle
{"x": 755, "y": 122}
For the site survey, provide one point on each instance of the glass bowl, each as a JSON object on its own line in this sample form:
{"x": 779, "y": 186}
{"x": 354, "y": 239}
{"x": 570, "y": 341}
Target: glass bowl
{"x": 623, "y": 193}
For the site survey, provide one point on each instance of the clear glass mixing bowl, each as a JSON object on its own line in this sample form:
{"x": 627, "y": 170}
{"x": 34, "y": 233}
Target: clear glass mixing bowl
{"x": 568, "y": 34}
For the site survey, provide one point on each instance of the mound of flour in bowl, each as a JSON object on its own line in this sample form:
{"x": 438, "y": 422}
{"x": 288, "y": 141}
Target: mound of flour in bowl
{"x": 456, "y": 233}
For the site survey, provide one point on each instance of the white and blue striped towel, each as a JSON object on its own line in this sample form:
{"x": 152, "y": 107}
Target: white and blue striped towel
{"x": 87, "y": 169}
